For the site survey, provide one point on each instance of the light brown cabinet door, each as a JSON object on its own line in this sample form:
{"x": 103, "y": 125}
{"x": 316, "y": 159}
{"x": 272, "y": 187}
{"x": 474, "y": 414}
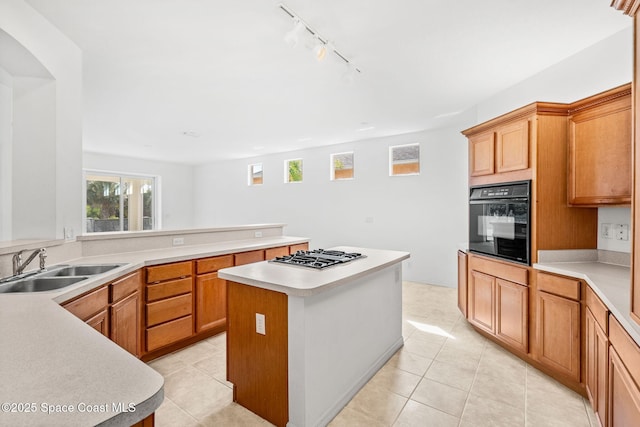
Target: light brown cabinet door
{"x": 211, "y": 301}
{"x": 558, "y": 333}
{"x": 462, "y": 282}
{"x": 481, "y": 300}
{"x": 512, "y": 312}
{"x": 596, "y": 365}
{"x": 624, "y": 396}
{"x": 481, "y": 154}
{"x": 125, "y": 323}
{"x": 512, "y": 146}
{"x": 100, "y": 322}
{"x": 600, "y": 153}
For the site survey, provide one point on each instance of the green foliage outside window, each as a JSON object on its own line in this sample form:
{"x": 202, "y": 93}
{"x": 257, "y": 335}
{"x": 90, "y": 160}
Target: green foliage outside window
{"x": 295, "y": 170}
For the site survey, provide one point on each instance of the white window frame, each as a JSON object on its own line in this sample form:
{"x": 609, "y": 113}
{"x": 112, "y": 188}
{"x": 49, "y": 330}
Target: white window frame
{"x": 286, "y": 171}
{"x": 332, "y": 169}
{"x": 391, "y": 148}
{"x": 157, "y": 202}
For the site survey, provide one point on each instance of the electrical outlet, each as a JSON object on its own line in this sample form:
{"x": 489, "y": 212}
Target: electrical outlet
{"x": 260, "y": 324}
{"x": 258, "y": 234}
{"x": 177, "y": 241}
{"x": 622, "y": 231}
{"x": 605, "y": 231}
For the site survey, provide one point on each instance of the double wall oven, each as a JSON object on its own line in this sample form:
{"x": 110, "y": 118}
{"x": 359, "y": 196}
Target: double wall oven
{"x": 500, "y": 221}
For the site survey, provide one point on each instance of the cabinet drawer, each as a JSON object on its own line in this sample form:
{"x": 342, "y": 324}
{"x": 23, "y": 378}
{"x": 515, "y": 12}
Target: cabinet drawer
{"x": 271, "y": 253}
{"x": 300, "y": 247}
{"x": 168, "y": 333}
{"x": 598, "y": 309}
{"x": 88, "y": 305}
{"x": 169, "y": 309}
{"x": 176, "y": 270}
{"x": 209, "y": 265}
{"x": 502, "y": 270}
{"x": 125, "y": 286}
{"x": 561, "y": 286}
{"x": 168, "y": 289}
{"x": 626, "y": 347}
{"x": 249, "y": 257}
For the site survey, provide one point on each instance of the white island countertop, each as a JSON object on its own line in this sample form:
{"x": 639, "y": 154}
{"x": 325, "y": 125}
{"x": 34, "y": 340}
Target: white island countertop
{"x": 302, "y": 281}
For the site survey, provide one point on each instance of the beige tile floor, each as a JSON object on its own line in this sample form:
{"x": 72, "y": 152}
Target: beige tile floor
{"x": 445, "y": 375}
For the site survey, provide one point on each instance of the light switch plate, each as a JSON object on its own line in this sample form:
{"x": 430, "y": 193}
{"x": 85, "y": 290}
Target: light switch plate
{"x": 605, "y": 231}
{"x": 260, "y": 324}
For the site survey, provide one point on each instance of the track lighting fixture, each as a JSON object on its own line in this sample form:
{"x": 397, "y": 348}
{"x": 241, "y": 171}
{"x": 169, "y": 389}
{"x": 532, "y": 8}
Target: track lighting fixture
{"x": 322, "y": 45}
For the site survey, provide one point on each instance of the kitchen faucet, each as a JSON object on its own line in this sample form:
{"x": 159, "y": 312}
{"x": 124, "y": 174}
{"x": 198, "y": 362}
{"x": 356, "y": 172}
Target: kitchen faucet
{"x": 19, "y": 266}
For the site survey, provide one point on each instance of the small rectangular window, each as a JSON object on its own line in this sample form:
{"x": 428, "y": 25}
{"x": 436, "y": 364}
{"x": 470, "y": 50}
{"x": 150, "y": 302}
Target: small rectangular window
{"x": 293, "y": 170}
{"x": 404, "y": 160}
{"x": 342, "y": 166}
{"x": 255, "y": 174}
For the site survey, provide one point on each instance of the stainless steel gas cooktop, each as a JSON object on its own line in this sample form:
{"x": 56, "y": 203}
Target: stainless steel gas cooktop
{"x": 317, "y": 258}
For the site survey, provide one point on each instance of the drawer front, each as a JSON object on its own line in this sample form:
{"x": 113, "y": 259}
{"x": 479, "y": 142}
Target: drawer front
{"x": 271, "y": 253}
{"x": 88, "y": 305}
{"x": 626, "y": 347}
{"x": 557, "y": 285}
{"x": 169, "y": 332}
{"x": 209, "y": 265}
{"x": 598, "y": 309}
{"x": 175, "y": 270}
{"x": 504, "y": 271}
{"x": 169, "y": 309}
{"x": 299, "y": 247}
{"x": 168, "y": 289}
{"x": 249, "y": 257}
{"x": 126, "y": 286}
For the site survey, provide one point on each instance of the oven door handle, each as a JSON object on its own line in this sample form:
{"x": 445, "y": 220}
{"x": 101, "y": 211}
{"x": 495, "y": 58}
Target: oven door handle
{"x": 498, "y": 201}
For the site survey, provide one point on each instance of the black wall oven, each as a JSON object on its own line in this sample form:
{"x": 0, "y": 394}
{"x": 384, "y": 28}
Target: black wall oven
{"x": 499, "y": 221}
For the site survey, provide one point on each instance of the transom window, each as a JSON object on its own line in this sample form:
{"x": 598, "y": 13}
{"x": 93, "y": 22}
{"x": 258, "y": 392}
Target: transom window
{"x": 255, "y": 174}
{"x": 341, "y": 166}
{"x": 115, "y": 202}
{"x": 293, "y": 170}
{"x": 404, "y": 159}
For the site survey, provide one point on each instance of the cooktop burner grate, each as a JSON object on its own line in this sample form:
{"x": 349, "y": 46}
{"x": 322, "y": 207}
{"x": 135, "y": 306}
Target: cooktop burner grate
{"x": 317, "y": 258}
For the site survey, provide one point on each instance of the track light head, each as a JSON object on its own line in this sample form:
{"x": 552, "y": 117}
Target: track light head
{"x": 293, "y": 36}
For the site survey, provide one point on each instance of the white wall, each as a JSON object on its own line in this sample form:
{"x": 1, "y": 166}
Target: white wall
{"x": 6, "y": 117}
{"x": 63, "y": 60}
{"x": 425, "y": 214}
{"x": 176, "y": 184}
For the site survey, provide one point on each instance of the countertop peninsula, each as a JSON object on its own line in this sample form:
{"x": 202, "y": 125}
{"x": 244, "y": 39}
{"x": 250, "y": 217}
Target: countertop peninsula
{"x": 55, "y": 367}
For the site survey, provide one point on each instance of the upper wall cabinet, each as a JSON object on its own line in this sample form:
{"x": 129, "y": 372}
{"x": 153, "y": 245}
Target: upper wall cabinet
{"x": 503, "y": 149}
{"x": 600, "y": 149}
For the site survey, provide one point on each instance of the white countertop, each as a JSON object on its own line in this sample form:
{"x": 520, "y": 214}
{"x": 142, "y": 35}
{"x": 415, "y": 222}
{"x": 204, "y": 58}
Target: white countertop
{"x": 302, "y": 281}
{"x": 612, "y": 283}
{"x": 50, "y": 357}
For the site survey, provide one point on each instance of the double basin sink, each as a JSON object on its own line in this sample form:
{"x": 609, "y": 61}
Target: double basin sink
{"x": 54, "y": 278}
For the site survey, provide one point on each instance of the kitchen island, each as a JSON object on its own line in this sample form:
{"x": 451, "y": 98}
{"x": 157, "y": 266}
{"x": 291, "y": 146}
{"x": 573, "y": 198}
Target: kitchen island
{"x": 301, "y": 342}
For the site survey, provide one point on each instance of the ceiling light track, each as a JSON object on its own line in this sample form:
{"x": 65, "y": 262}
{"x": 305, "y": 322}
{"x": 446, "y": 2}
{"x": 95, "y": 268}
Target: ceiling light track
{"x": 323, "y": 42}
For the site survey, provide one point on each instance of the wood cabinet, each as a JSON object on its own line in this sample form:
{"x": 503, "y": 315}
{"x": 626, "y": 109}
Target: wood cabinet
{"x": 503, "y": 149}
{"x": 299, "y": 247}
{"x": 624, "y": 375}
{"x": 211, "y": 293}
{"x": 462, "y": 282}
{"x": 596, "y": 365}
{"x": 280, "y": 251}
{"x": 600, "y": 149}
{"x": 248, "y": 257}
{"x": 126, "y": 312}
{"x": 499, "y": 304}
{"x": 93, "y": 308}
{"x": 169, "y": 304}
{"x": 558, "y": 324}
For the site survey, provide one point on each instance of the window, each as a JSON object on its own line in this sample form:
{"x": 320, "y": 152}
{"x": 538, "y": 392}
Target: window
{"x": 255, "y": 174}
{"x": 341, "y": 166}
{"x": 404, "y": 160}
{"x": 293, "y": 170}
{"x": 116, "y": 202}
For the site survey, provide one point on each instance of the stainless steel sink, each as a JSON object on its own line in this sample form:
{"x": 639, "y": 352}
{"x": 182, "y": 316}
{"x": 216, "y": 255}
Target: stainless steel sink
{"x": 40, "y": 284}
{"x": 79, "y": 270}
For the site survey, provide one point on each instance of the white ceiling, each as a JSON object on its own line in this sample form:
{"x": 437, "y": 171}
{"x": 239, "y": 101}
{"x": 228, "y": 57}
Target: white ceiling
{"x": 154, "y": 69}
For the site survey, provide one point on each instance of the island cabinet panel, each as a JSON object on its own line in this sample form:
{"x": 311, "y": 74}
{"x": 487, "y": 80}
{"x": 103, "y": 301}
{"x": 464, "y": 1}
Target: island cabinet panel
{"x": 600, "y": 149}
{"x": 257, "y": 364}
{"x": 558, "y": 334}
{"x": 481, "y": 154}
{"x": 462, "y": 282}
{"x": 512, "y": 146}
{"x": 248, "y": 257}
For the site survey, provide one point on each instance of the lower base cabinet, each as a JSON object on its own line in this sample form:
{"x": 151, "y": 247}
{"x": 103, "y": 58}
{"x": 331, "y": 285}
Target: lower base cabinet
{"x": 624, "y": 395}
